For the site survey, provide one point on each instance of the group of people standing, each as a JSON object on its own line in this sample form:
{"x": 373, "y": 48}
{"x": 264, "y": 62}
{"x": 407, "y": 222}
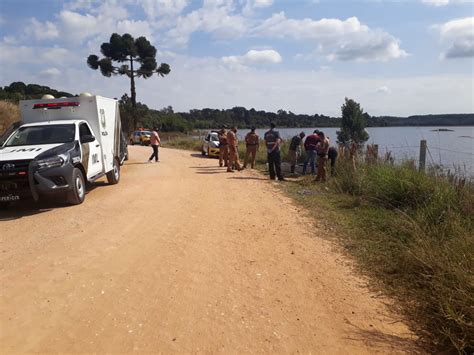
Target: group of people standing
{"x": 316, "y": 145}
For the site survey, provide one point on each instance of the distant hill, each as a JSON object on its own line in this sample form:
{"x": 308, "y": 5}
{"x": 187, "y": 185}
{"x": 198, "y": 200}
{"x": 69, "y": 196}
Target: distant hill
{"x": 240, "y": 116}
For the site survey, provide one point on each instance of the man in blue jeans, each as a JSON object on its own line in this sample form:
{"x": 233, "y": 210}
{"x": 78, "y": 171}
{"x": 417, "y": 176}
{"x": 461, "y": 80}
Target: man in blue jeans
{"x": 310, "y": 148}
{"x": 272, "y": 142}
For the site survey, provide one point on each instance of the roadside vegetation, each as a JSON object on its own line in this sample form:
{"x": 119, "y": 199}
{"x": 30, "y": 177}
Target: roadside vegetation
{"x": 9, "y": 114}
{"x": 413, "y": 234}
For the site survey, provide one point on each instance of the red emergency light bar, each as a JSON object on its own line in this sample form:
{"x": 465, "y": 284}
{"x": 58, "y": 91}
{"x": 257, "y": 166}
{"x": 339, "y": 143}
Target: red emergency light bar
{"x": 56, "y": 105}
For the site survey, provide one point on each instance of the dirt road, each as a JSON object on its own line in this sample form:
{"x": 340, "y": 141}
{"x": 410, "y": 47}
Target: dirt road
{"x": 182, "y": 257}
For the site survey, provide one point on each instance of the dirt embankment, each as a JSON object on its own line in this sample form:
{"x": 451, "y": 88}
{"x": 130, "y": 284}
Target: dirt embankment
{"x": 182, "y": 257}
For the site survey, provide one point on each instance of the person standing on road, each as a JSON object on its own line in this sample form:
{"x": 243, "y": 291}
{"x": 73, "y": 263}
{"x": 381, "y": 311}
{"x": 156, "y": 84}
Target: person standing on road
{"x": 155, "y": 143}
{"x": 273, "y": 142}
{"x": 223, "y": 148}
{"x": 323, "y": 148}
{"x": 294, "y": 151}
{"x": 252, "y": 144}
{"x": 310, "y": 150}
{"x": 234, "y": 162}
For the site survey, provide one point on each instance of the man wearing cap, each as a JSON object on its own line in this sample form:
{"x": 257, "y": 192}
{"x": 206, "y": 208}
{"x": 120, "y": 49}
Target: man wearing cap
{"x": 234, "y": 162}
{"x": 223, "y": 148}
{"x": 294, "y": 151}
{"x": 310, "y": 149}
{"x": 252, "y": 143}
{"x": 273, "y": 142}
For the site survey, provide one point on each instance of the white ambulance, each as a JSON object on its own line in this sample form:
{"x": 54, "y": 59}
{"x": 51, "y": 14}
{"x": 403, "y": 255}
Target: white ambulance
{"x": 61, "y": 145}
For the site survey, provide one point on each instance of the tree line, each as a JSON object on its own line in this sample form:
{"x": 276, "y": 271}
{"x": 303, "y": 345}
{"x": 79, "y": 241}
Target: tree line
{"x": 207, "y": 118}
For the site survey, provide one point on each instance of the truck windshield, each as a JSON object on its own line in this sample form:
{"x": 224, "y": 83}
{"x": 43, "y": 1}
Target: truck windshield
{"x": 50, "y": 134}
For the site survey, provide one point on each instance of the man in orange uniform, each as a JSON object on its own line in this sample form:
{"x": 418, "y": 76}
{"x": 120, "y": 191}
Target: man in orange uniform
{"x": 223, "y": 148}
{"x": 322, "y": 149}
{"x": 233, "y": 150}
{"x": 252, "y": 143}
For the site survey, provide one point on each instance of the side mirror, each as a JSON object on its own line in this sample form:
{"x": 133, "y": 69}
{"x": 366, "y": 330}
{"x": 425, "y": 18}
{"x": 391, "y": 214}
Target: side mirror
{"x": 87, "y": 138}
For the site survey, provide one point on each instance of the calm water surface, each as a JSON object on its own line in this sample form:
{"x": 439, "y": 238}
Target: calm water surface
{"x": 449, "y": 150}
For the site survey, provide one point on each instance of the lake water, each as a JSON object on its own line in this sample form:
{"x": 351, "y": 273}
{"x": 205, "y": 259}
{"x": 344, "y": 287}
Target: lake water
{"x": 449, "y": 150}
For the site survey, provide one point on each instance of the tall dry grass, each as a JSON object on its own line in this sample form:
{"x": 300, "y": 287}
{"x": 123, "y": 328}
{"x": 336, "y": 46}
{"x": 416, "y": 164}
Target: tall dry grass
{"x": 9, "y": 114}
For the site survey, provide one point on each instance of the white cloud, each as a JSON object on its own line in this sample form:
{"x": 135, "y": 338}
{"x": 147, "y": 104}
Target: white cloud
{"x": 42, "y": 31}
{"x": 458, "y": 35}
{"x": 267, "y": 56}
{"x": 155, "y": 8}
{"x": 382, "y": 90}
{"x": 249, "y": 6}
{"x": 436, "y": 2}
{"x": 50, "y": 72}
{"x": 341, "y": 40}
{"x": 215, "y": 17}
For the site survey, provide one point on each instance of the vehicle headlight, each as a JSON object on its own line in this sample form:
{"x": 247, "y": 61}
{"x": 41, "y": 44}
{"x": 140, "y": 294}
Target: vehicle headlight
{"x": 53, "y": 162}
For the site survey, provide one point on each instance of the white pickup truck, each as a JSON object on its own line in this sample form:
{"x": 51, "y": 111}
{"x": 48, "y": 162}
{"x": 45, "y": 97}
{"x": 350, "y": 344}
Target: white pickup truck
{"x": 59, "y": 146}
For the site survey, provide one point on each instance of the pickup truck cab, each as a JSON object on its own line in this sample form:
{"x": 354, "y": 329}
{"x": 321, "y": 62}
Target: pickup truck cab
{"x": 61, "y": 145}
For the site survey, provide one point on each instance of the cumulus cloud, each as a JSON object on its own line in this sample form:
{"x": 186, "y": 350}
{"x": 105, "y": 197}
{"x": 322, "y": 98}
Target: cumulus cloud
{"x": 458, "y": 35}
{"x": 42, "y": 31}
{"x": 267, "y": 56}
{"x": 249, "y": 6}
{"x": 155, "y": 8}
{"x": 341, "y": 39}
{"x": 216, "y": 17}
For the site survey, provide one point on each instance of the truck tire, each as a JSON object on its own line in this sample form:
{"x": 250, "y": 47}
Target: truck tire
{"x": 78, "y": 193}
{"x": 203, "y": 152}
{"x": 113, "y": 176}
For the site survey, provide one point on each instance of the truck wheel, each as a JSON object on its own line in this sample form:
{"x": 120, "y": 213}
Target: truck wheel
{"x": 132, "y": 142}
{"x": 78, "y": 193}
{"x": 113, "y": 176}
{"x": 203, "y": 152}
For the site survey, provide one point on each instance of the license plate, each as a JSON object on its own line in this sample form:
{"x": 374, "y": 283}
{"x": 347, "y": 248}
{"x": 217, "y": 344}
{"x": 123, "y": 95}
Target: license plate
{"x": 9, "y": 198}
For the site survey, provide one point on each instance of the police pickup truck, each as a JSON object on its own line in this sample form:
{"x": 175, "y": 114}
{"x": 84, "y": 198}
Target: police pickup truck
{"x": 60, "y": 145}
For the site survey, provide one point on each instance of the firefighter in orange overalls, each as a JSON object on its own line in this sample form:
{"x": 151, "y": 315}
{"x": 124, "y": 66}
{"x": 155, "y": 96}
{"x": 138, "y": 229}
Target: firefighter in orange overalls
{"x": 252, "y": 144}
{"x": 233, "y": 143}
{"x": 322, "y": 148}
{"x": 223, "y": 148}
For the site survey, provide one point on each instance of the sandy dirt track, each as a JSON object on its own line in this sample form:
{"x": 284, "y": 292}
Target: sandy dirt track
{"x": 183, "y": 257}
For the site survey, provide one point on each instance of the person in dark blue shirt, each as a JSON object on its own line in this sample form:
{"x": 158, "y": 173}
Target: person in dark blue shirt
{"x": 272, "y": 143}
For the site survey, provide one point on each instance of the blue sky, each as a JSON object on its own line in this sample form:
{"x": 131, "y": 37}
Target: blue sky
{"x": 394, "y": 57}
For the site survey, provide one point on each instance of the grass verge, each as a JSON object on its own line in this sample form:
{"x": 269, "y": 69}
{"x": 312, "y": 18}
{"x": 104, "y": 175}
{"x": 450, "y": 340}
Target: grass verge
{"x": 413, "y": 235}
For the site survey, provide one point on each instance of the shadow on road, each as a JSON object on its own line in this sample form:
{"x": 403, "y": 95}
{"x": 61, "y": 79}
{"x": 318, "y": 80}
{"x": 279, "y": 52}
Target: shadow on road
{"x": 378, "y": 338}
{"x": 247, "y": 178}
{"x": 29, "y": 207}
{"x": 138, "y": 163}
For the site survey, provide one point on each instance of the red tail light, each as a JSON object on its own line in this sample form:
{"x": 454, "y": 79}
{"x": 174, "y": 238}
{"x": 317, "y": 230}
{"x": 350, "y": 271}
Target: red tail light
{"x": 56, "y": 105}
